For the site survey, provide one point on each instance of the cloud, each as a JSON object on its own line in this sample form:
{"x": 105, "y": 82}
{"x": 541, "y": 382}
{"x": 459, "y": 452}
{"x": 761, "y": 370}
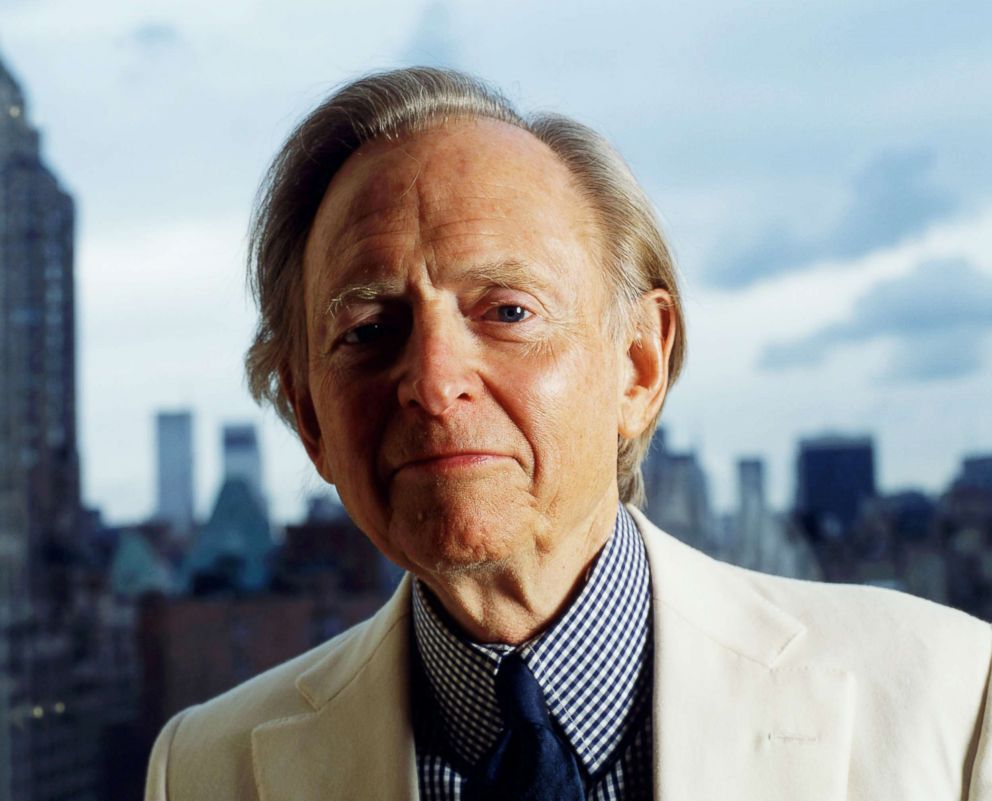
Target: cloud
{"x": 937, "y": 316}
{"x": 156, "y": 35}
{"x": 893, "y": 199}
{"x": 954, "y": 353}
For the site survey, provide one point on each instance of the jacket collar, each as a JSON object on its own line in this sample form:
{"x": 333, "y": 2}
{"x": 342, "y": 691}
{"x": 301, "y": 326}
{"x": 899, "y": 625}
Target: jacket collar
{"x": 712, "y": 598}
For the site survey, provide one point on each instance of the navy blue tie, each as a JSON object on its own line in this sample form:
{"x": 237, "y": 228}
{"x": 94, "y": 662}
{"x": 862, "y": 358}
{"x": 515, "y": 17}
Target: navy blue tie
{"x": 529, "y": 762}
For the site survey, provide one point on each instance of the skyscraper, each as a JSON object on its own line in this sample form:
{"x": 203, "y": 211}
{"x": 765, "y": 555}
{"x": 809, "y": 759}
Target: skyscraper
{"x": 174, "y": 450}
{"x": 677, "y": 495}
{"x": 242, "y": 459}
{"x": 39, "y": 470}
{"x": 834, "y": 475}
{"x": 752, "y": 514}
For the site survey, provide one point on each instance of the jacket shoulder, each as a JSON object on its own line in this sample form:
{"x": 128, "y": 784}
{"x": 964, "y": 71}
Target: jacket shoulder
{"x": 845, "y": 622}
{"x": 271, "y": 694}
{"x": 875, "y": 622}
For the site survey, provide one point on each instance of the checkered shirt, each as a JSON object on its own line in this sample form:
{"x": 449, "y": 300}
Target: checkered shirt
{"x": 593, "y": 664}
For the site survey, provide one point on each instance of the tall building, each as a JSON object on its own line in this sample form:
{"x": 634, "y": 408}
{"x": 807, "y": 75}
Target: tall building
{"x": 834, "y": 476}
{"x": 677, "y": 496}
{"x": 174, "y": 449}
{"x": 976, "y": 472}
{"x": 231, "y": 550}
{"x": 45, "y": 747}
{"x": 964, "y": 525}
{"x": 39, "y": 467}
{"x": 764, "y": 541}
{"x": 242, "y": 459}
{"x": 751, "y": 511}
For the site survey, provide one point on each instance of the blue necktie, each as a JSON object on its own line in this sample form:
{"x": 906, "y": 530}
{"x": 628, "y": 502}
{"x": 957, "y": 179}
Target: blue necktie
{"x": 529, "y": 762}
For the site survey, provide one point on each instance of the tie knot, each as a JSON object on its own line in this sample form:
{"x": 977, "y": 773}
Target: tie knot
{"x": 519, "y": 694}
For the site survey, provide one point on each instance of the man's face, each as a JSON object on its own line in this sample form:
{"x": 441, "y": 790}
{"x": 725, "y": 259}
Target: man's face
{"x": 462, "y": 390}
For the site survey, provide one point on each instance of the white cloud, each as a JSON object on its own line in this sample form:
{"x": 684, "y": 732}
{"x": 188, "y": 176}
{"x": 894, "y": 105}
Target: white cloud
{"x": 737, "y": 410}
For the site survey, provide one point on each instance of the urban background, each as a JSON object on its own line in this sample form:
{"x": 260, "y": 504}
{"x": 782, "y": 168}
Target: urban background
{"x": 158, "y": 546}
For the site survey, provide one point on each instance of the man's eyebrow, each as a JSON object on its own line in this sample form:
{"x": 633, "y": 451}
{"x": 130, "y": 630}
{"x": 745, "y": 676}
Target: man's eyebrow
{"x": 364, "y": 291}
{"x": 508, "y": 273}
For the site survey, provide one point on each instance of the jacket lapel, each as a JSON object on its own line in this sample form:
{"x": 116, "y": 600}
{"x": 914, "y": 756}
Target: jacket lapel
{"x": 734, "y": 715}
{"x": 357, "y": 742}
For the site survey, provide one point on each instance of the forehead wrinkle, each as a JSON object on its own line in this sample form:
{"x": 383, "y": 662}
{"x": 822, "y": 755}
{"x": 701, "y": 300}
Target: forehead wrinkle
{"x": 360, "y": 228}
{"x": 348, "y": 246}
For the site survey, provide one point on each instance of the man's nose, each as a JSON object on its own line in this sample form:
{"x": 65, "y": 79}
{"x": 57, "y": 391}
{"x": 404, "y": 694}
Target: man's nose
{"x": 438, "y": 367}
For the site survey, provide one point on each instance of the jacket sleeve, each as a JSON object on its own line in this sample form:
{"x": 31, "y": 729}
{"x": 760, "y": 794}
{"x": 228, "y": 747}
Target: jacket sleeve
{"x": 156, "y": 782}
{"x": 981, "y": 774}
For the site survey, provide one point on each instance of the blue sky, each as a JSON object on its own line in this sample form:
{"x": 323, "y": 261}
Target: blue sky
{"x": 822, "y": 170}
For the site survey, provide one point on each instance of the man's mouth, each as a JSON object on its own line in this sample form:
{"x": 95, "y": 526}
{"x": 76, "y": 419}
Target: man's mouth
{"x": 449, "y": 462}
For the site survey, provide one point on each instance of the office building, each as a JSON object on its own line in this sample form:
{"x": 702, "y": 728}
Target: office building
{"x": 242, "y": 459}
{"x": 751, "y": 512}
{"x": 230, "y": 552}
{"x": 195, "y": 648}
{"x": 834, "y": 476}
{"x": 976, "y": 473}
{"x": 39, "y": 470}
{"x": 174, "y": 451}
{"x": 677, "y": 495}
{"x": 761, "y": 539}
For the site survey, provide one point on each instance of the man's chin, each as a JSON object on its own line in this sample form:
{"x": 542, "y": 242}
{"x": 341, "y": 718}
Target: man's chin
{"x": 468, "y": 536}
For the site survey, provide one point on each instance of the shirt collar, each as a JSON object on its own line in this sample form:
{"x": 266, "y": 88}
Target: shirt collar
{"x": 593, "y": 664}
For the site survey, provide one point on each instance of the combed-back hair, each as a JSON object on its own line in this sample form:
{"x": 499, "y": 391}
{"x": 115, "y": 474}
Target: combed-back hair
{"x": 407, "y": 101}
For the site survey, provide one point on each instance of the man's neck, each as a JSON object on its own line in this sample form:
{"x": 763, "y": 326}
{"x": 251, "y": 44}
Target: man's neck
{"x": 514, "y": 601}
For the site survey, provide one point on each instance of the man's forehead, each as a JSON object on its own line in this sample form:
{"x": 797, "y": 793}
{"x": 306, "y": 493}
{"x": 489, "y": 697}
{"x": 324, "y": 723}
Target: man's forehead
{"x": 462, "y": 143}
{"x": 475, "y": 159}
{"x": 489, "y": 169}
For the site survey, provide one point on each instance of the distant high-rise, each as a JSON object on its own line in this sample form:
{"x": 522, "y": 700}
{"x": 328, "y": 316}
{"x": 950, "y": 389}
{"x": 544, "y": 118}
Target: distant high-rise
{"x": 677, "y": 495}
{"x": 834, "y": 475}
{"x": 39, "y": 468}
{"x": 976, "y": 473}
{"x": 752, "y": 515}
{"x": 242, "y": 459}
{"x": 174, "y": 448}
{"x": 231, "y": 550}
{"x": 751, "y": 487}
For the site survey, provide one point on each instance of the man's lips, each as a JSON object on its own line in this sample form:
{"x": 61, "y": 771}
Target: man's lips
{"x": 446, "y": 462}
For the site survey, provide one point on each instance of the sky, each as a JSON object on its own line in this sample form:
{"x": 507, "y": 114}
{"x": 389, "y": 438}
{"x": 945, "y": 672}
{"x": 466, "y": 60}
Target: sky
{"x": 821, "y": 168}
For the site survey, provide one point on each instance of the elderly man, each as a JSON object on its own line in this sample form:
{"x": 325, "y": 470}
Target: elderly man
{"x": 472, "y": 320}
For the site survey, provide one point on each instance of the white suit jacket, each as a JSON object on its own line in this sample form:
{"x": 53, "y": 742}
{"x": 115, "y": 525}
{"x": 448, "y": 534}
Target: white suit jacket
{"x": 765, "y": 689}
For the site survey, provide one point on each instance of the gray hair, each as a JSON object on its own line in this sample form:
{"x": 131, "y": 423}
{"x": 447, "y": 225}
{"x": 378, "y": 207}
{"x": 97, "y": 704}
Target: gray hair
{"x": 401, "y": 102}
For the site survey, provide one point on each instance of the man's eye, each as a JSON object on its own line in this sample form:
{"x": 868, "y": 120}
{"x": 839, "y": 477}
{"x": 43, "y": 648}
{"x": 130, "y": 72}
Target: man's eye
{"x": 508, "y": 313}
{"x": 367, "y": 333}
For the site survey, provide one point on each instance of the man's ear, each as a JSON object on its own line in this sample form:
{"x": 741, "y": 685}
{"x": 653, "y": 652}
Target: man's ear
{"x": 307, "y": 425}
{"x": 648, "y": 351}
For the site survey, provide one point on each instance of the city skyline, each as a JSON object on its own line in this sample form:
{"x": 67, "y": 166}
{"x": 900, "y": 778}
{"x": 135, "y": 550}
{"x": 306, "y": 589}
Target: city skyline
{"x": 830, "y": 214}
{"x": 251, "y": 467}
